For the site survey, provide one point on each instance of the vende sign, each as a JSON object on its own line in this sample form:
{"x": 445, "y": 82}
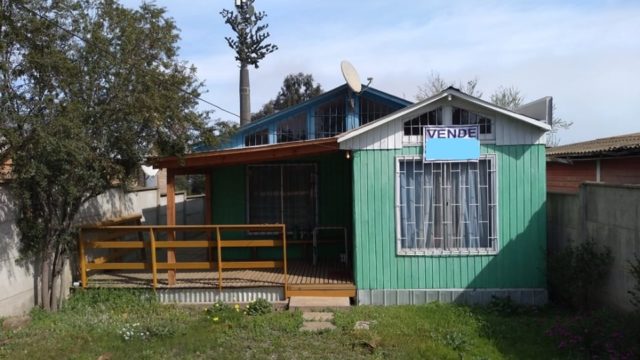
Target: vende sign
{"x": 450, "y": 132}
{"x": 451, "y": 143}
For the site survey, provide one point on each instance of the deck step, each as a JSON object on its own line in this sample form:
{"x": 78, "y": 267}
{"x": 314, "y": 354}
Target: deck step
{"x": 316, "y": 303}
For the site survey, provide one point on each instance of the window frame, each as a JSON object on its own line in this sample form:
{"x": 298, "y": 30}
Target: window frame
{"x": 493, "y": 160}
{"x": 314, "y": 169}
{"x": 447, "y": 119}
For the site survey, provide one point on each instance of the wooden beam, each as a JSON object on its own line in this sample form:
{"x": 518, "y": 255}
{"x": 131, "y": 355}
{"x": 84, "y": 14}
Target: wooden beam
{"x": 171, "y": 220}
{"x": 197, "y": 163}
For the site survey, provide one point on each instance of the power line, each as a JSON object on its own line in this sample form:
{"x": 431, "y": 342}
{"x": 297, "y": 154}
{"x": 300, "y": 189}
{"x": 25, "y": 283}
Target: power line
{"x": 88, "y": 41}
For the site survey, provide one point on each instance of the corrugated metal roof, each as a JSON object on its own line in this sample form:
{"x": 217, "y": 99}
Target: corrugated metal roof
{"x": 597, "y": 146}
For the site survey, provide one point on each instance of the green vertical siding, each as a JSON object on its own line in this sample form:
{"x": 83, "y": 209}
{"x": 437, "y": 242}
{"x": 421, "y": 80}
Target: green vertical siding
{"x": 229, "y": 205}
{"x": 520, "y": 262}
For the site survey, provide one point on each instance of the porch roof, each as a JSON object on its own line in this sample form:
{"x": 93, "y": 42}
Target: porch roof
{"x": 196, "y": 162}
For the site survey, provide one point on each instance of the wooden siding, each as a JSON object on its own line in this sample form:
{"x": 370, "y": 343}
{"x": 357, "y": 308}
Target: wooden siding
{"x": 520, "y": 262}
{"x": 334, "y": 200}
{"x": 620, "y": 171}
{"x": 566, "y": 178}
{"x": 390, "y": 135}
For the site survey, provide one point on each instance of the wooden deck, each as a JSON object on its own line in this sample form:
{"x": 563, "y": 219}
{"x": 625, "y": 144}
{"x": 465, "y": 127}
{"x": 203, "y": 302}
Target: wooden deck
{"x": 300, "y": 274}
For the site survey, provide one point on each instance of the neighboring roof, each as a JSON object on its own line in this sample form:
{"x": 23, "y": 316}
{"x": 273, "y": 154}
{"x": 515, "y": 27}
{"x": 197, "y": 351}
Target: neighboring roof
{"x": 316, "y": 100}
{"x": 604, "y": 146}
{"x": 444, "y": 93}
{"x": 193, "y": 163}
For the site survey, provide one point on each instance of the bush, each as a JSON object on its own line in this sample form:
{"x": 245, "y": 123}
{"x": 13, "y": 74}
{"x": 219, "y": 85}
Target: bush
{"x": 258, "y": 307}
{"x": 575, "y": 274}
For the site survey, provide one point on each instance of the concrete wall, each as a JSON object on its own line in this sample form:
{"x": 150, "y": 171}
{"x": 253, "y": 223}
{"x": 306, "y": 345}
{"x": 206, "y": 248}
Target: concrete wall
{"x": 17, "y": 290}
{"x": 607, "y": 214}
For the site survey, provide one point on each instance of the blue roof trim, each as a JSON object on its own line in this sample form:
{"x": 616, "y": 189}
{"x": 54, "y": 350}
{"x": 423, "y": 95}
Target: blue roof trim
{"x": 267, "y": 120}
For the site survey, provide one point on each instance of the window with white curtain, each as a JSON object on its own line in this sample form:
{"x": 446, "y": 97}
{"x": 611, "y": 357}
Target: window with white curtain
{"x": 446, "y": 207}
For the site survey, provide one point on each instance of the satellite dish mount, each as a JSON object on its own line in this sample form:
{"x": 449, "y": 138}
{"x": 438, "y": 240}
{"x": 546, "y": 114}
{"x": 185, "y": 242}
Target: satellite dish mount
{"x": 353, "y": 79}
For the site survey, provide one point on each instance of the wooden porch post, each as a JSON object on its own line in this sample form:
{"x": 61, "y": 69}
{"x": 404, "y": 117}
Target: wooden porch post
{"x": 171, "y": 220}
{"x": 207, "y": 208}
{"x": 207, "y": 198}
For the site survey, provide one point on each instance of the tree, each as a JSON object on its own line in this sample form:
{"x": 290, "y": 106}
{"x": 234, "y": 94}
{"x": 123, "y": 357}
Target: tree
{"x": 435, "y": 84}
{"x": 89, "y": 88}
{"x": 249, "y": 47}
{"x": 506, "y": 97}
{"x": 295, "y": 89}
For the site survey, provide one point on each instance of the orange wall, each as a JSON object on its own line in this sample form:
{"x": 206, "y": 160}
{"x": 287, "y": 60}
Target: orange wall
{"x": 620, "y": 171}
{"x": 567, "y": 178}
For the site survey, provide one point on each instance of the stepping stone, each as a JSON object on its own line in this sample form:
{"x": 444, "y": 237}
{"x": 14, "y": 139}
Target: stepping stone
{"x": 317, "y": 316}
{"x": 314, "y": 326}
{"x": 363, "y": 325}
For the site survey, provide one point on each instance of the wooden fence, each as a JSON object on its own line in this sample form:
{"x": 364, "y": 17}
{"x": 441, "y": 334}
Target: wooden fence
{"x": 113, "y": 238}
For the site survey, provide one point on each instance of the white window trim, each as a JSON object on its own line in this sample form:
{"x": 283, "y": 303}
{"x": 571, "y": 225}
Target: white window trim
{"x": 447, "y": 119}
{"x": 439, "y": 252}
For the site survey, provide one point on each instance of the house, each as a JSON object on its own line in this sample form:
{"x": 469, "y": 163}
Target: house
{"x": 611, "y": 160}
{"x": 370, "y": 211}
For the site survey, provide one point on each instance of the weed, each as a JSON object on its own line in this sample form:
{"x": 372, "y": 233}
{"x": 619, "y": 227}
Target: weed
{"x": 258, "y": 307}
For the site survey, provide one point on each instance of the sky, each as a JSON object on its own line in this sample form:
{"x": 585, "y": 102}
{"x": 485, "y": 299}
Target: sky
{"x": 586, "y": 54}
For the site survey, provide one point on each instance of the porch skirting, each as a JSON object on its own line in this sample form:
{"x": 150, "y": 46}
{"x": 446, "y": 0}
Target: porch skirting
{"x": 207, "y": 296}
{"x": 525, "y": 296}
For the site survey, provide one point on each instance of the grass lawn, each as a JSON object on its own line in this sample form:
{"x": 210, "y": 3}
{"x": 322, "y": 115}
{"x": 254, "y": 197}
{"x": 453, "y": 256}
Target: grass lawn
{"x": 132, "y": 325}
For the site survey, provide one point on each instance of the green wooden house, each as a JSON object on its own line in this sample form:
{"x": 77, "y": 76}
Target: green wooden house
{"x": 373, "y": 211}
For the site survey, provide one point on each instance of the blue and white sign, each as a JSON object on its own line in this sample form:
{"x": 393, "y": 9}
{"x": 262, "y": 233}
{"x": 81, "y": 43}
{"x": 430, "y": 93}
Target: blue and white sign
{"x": 451, "y": 143}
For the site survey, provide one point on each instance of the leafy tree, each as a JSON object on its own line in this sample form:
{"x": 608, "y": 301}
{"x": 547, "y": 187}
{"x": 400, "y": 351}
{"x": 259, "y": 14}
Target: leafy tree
{"x": 89, "y": 88}
{"x": 249, "y": 47}
{"x": 506, "y": 97}
{"x": 296, "y": 88}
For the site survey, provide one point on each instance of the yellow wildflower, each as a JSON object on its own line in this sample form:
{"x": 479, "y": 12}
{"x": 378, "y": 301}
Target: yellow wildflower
{"x": 215, "y": 318}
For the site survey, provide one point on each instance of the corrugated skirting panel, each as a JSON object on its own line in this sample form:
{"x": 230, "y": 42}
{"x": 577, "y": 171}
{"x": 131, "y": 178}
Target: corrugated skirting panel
{"x": 208, "y": 296}
{"x": 459, "y": 296}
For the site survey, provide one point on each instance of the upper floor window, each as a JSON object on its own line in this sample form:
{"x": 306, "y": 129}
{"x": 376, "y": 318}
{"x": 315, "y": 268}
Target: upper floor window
{"x": 371, "y": 110}
{"x": 260, "y": 137}
{"x": 465, "y": 117}
{"x": 414, "y": 126}
{"x": 329, "y": 118}
{"x": 293, "y": 128}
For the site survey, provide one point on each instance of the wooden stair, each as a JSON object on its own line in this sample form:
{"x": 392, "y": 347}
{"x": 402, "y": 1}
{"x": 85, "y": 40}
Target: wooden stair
{"x": 322, "y": 290}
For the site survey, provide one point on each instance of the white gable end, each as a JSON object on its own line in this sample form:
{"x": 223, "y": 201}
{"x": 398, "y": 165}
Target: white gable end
{"x": 389, "y": 132}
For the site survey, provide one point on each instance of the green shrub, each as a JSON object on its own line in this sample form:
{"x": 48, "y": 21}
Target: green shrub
{"x": 576, "y": 274}
{"x": 258, "y": 307}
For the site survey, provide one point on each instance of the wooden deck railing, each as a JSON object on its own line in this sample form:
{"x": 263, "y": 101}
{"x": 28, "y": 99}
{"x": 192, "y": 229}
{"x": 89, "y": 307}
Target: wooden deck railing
{"x": 111, "y": 237}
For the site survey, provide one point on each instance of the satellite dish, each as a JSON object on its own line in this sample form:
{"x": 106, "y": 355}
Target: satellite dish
{"x": 351, "y": 76}
{"x": 149, "y": 170}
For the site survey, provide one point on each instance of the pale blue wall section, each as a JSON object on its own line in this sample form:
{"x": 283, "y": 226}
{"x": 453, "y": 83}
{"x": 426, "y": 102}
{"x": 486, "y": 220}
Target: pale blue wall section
{"x": 452, "y": 149}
